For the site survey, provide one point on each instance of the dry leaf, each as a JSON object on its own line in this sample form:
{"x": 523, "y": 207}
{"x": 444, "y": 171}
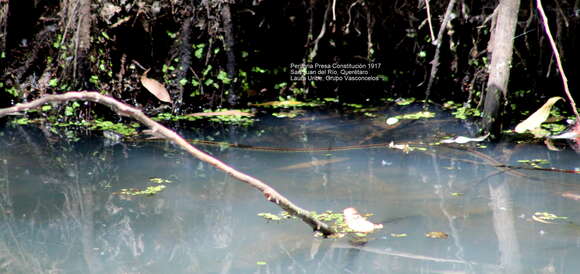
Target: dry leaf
{"x": 155, "y": 88}
{"x": 437, "y": 235}
{"x": 538, "y": 117}
{"x": 358, "y": 223}
{"x": 571, "y": 195}
{"x": 547, "y": 218}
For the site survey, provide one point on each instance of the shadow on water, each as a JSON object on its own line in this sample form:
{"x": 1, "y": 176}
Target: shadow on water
{"x": 61, "y": 211}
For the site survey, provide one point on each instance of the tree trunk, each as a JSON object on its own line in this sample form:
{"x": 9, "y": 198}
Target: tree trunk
{"x": 83, "y": 42}
{"x": 3, "y": 30}
{"x": 229, "y": 48}
{"x": 501, "y": 45}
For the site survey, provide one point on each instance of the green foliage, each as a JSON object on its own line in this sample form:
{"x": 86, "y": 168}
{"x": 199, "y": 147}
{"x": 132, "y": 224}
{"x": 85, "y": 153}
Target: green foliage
{"x": 220, "y": 119}
{"x": 71, "y": 109}
{"x": 160, "y": 185}
{"x": 286, "y": 103}
{"x": 405, "y": 101}
{"x": 460, "y": 111}
{"x": 22, "y": 121}
{"x": 12, "y": 91}
{"x": 53, "y": 82}
{"x": 149, "y": 191}
{"x": 171, "y": 35}
{"x": 198, "y": 53}
{"x": 119, "y": 128}
{"x": 415, "y": 115}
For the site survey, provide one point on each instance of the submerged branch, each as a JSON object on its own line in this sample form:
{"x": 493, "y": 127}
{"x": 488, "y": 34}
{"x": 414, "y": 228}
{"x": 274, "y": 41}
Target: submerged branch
{"x": 125, "y": 110}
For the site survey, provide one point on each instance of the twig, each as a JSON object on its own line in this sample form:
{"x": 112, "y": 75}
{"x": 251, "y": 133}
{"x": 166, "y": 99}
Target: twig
{"x": 334, "y": 11}
{"x": 437, "y": 43}
{"x": 558, "y": 61}
{"x": 429, "y": 20}
{"x": 347, "y": 26}
{"x": 125, "y": 110}
{"x": 320, "y": 35}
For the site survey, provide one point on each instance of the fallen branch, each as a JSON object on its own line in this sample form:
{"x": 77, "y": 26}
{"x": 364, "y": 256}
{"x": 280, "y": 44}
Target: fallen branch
{"x": 125, "y": 110}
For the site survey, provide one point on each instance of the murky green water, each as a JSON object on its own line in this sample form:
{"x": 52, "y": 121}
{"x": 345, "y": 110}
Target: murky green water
{"x": 59, "y": 213}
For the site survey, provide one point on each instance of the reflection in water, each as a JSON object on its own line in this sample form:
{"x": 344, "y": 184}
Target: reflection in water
{"x": 59, "y": 214}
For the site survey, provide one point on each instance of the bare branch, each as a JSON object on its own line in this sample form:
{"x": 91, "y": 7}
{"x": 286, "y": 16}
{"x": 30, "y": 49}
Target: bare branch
{"x": 558, "y": 61}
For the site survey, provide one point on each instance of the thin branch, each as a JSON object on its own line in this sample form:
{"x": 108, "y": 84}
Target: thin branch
{"x": 437, "y": 43}
{"x": 558, "y": 61}
{"x": 320, "y": 35}
{"x": 125, "y": 110}
{"x": 429, "y": 20}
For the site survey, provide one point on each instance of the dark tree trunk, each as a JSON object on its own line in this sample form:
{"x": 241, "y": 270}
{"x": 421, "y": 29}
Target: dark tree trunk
{"x": 501, "y": 45}
{"x": 229, "y": 48}
{"x": 184, "y": 60}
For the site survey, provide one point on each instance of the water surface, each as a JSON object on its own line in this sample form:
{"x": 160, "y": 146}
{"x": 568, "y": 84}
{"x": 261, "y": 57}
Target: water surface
{"x": 61, "y": 214}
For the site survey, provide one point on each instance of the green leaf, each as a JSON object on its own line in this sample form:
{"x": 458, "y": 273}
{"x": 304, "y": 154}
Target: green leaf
{"x": 53, "y": 82}
{"x": 206, "y": 71}
{"x": 223, "y": 76}
{"x": 208, "y": 82}
{"x": 198, "y": 53}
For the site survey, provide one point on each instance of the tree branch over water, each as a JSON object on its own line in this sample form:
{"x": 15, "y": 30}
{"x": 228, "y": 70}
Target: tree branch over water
{"x": 125, "y": 110}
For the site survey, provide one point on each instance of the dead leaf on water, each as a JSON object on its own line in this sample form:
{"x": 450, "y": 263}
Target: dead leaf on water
{"x": 437, "y": 235}
{"x": 315, "y": 163}
{"x": 571, "y": 195}
{"x": 538, "y": 117}
{"x": 358, "y": 223}
{"x": 399, "y": 235}
{"x": 463, "y": 139}
{"x": 547, "y": 218}
{"x": 156, "y": 88}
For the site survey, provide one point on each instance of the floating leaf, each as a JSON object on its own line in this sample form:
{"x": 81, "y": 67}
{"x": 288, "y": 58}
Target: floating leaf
{"x": 547, "y": 218}
{"x": 571, "y": 195}
{"x": 160, "y": 181}
{"x": 399, "y": 235}
{"x": 437, "y": 235}
{"x": 358, "y": 223}
{"x": 156, "y": 88}
{"x": 270, "y": 216}
{"x": 391, "y": 121}
{"x": 538, "y": 117}
{"x": 463, "y": 139}
{"x": 416, "y": 115}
